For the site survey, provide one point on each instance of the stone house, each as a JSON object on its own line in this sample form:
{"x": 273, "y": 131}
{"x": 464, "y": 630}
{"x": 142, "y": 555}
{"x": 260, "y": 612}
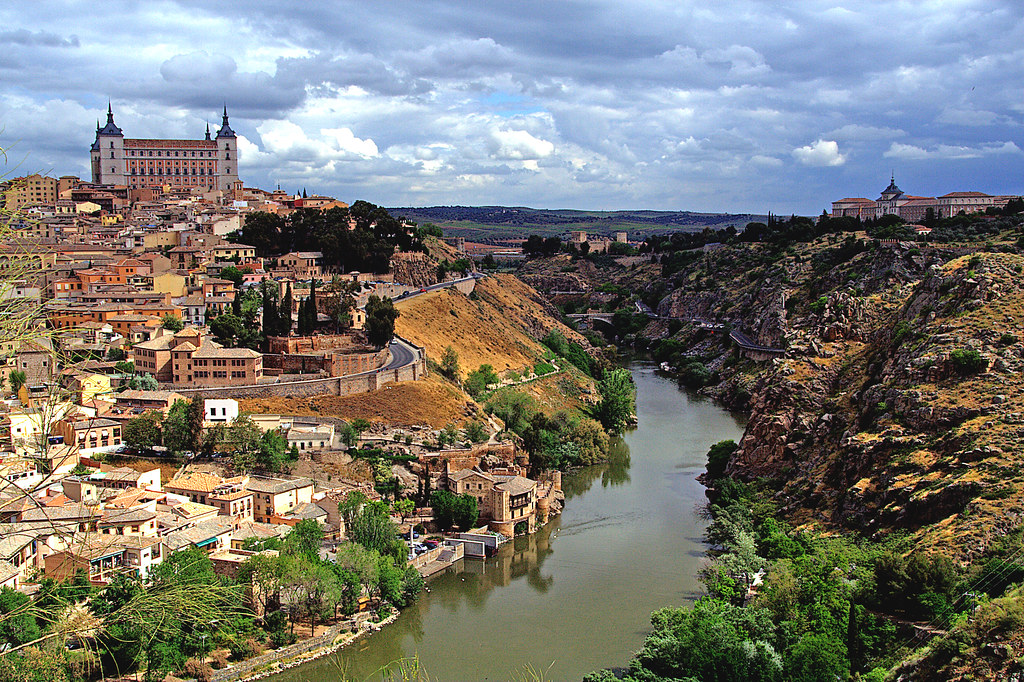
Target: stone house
{"x": 277, "y": 496}
{"x": 504, "y": 501}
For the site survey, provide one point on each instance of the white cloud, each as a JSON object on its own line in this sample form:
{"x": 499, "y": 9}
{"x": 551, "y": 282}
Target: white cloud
{"x": 909, "y": 152}
{"x": 519, "y": 145}
{"x": 347, "y": 143}
{"x": 769, "y": 161}
{"x": 820, "y": 153}
{"x": 949, "y": 151}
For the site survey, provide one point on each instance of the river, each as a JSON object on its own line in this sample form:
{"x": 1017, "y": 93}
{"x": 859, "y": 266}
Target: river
{"x": 576, "y": 596}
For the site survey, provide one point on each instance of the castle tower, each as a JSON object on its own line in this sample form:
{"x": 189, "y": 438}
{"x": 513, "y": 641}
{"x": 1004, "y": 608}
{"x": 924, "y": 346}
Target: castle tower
{"x": 227, "y": 153}
{"x": 107, "y": 153}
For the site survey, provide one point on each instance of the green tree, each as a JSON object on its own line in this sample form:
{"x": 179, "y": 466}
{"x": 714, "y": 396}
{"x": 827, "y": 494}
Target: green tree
{"x": 17, "y": 618}
{"x": 272, "y": 449}
{"x": 454, "y": 510}
{"x": 618, "y": 399}
{"x": 268, "y": 297}
{"x": 143, "y": 432}
{"x": 380, "y": 321}
{"x": 719, "y": 456}
{"x": 449, "y": 366}
{"x": 196, "y": 417}
{"x": 17, "y": 379}
{"x": 305, "y": 538}
{"x": 233, "y": 275}
{"x": 404, "y": 507}
{"x": 465, "y": 512}
{"x": 177, "y": 433}
{"x": 227, "y": 328}
{"x": 478, "y": 380}
{"x": 966, "y": 362}
{"x": 172, "y": 323}
{"x": 349, "y": 506}
{"x": 817, "y": 657}
{"x": 285, "y": 313}
{"x": 476, "y": 432}
{"x": 245, "y": 441}
{"x": 373, "y": 528}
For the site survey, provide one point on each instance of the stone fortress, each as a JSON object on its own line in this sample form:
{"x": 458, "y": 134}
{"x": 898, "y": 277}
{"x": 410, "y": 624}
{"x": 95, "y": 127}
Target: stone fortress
{"x": 208, "y": 164}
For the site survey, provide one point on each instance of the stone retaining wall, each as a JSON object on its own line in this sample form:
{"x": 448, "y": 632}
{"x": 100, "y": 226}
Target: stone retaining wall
{"x": 345, "y": 385}
{"x": 245, "y": 668}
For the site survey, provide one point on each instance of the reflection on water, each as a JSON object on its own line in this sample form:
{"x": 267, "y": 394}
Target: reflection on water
{"x": 613, "y": 472}
{"x": 577, "y": 595}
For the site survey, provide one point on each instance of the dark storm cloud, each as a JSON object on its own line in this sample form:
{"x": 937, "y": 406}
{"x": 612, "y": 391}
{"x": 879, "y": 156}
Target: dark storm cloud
{"x": 727, "y": 106}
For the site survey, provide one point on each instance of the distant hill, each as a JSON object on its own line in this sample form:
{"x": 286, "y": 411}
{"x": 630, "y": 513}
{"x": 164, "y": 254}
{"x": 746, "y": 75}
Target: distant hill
{"x": 479, "y": 223}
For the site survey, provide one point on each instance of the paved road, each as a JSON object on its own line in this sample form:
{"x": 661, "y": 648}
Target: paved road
{"x": 401, "y": 355}
{"x": 441, "y": 285}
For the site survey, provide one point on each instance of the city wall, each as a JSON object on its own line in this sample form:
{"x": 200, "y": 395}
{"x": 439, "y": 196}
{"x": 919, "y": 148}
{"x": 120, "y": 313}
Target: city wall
{"x": 342, "y": 385}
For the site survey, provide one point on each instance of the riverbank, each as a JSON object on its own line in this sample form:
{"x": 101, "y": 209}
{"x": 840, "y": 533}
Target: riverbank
{"x": 334, "y": 639}
{"x": 576, "y": 579}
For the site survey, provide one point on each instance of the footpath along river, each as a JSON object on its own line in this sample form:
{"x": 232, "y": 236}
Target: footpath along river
{"x": 576, "y": 596}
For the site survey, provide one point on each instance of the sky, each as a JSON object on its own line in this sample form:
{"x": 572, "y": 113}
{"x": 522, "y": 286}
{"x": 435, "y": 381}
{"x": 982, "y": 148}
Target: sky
{"x": 724, "y": 106}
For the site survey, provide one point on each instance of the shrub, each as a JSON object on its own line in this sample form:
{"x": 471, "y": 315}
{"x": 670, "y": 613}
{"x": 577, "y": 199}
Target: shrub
{"x": 719, "y": 456}
{"x": 967, "y": 362}
{"x": 542, "y": 368}
{"x": 1008, "y": 339}
{"x": 199, "y": 670}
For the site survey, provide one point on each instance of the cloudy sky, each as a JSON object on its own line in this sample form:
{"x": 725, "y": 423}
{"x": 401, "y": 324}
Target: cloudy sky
{"x": 731, "y": 105}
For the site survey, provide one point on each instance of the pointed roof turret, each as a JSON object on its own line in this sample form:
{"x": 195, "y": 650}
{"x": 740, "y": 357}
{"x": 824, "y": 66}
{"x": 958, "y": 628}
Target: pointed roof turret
{"x": 207, "y": 130}
{"x": 225, "y": 129}
{"x": 892, "y": 190}
{"x": 110, "y": 128}
{"x": 96, "y": 143}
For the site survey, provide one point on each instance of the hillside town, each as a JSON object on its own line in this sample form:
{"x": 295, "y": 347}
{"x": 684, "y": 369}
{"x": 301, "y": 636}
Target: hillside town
{"x": 139, "y": 318}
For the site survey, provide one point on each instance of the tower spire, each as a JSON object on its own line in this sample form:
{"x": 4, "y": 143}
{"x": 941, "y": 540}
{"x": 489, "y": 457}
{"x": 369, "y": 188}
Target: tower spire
{"x": 207, "y": 130}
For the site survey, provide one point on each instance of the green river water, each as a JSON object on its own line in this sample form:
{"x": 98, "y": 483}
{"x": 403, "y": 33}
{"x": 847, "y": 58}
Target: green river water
{"x": 576, "y": 596}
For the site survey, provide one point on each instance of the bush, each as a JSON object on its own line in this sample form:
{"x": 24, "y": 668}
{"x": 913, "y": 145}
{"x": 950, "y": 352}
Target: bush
{"x": 718, "y": 457}
{"x": 199, "y": 670}
{"x": 967, "y": 362}
{"x": 542, "y": 368}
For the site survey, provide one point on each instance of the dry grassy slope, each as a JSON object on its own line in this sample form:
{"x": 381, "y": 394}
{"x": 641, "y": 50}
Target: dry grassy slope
{"x": 432, "y": 402}
{"x": 501, "y": 327}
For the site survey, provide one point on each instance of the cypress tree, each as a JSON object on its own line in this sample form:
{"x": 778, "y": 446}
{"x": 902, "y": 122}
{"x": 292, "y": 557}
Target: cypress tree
{"x": 270, "y": 323}
{"x": 311, "y": 302}
{"x": 286, "y": 311}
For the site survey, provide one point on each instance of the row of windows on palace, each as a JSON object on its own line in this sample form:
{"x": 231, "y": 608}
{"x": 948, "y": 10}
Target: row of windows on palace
{"x": 177, "y": 171}
{"x": 176, "y": 154}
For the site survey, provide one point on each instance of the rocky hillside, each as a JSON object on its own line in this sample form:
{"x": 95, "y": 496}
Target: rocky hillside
{"x": 898, "y": 404}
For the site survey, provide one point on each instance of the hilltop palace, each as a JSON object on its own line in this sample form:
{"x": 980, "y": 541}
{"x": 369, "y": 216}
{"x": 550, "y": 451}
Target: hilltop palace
{"x": 210, "y": 164}
{"x": 913, "y": 209}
